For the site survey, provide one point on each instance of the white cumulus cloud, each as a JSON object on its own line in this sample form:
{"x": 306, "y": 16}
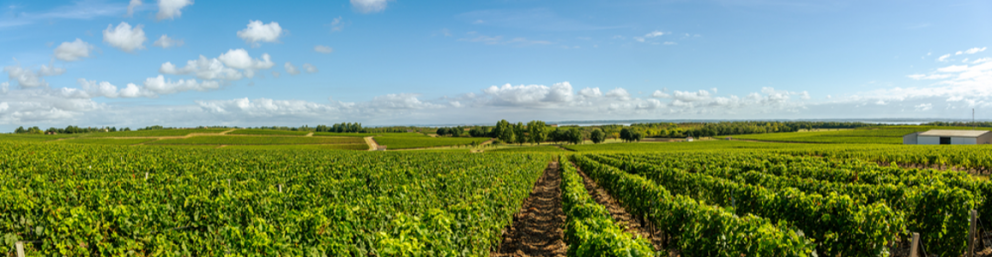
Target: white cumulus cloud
{"x": 170, "y": 9}
{"x": 660, "y": 94}
{"x": 590, "y": 92}
{"x": 292, "y": 70}
{"x": 27, "y": 78}
{"x": 258, "y": 32}
{"x": 124, "y": 37}
{"x": 309, "y": 68}
{"x": 943, "y": 58}
{"x": 160, "y": 85}
{"x": 970, "y": 51}
{"x": 203, "y": 68}
{"x": 166, "y": 42}
{"x": 619, "y": 93}
{"x": 73, "y": 51}
{"x": 130, "y": 7}
{"x": 232, "y": 65}
{"x": 239, "y": 59}
{"x": 530, "y": 94}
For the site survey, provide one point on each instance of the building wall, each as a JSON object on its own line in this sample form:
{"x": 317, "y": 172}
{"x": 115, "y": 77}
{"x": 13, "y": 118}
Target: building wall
{"x": 963, "y": 140}
{"x": 925, "y": 140}
{"x": 909, "y": 139}
{"x": 985, "y": 139}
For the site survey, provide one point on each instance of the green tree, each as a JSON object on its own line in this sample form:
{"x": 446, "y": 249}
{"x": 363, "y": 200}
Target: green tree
{"x": 538, "y": 131}
{"x": 625, "y": 135}
{"x": 441, "y": 132}
{"x": 504, "y": 132}
{"x": 575, "y": 136}
{"x": 520, "y": 133}
{"x": 20, "y": 130}
{"x": 597, "y": 136}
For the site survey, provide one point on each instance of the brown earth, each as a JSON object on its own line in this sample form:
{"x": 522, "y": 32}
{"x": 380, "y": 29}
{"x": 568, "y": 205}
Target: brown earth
{"x": 634, "y": 225}
{"x": 537, "y": 229}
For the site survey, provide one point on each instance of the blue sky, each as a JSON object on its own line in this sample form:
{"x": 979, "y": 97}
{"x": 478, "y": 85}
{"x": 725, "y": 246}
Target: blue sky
{"x": 394, "y": 62}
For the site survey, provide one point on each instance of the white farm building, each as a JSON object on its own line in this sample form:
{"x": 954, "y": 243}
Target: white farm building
{"x": 948, "y": 137}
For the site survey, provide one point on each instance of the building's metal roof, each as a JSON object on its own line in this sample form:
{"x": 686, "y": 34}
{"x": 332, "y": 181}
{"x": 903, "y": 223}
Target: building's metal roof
{"x": 953, "y": 133}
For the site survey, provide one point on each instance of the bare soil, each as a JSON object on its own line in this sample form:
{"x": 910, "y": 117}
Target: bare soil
{"x": 634, "y": 225}
{"x": 537, "y": 229}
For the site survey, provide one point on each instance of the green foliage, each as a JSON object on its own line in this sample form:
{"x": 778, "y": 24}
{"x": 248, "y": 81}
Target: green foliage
{"x": 930, "y": 202}
{"x": 589, "y": 229}
{"x": 537, "y": 131}
{"x": 825, "y": 218}
{"x": 268, "y": 132}
{"x": 529, "y": 149}
{"x": 504, "y": 131}
{"x": 157, "y": 133}
{"x": 257, "y": 140}
{"x": 81, "y": 200}
{"x": 631, "y": 135}
{"x": 701, "y": 230}
{"x": 106, "y": 141}
{"x": 597, "y": 136}
{"x": 403, "y": 142}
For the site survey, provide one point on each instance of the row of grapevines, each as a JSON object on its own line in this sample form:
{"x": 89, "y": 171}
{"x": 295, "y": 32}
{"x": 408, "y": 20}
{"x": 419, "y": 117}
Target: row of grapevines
{"x": 95, "y": 200}
{"x": 963, "y": 156}
{"x": 932, "y": 208}
{"x": 701, "y": 230}
{"x": 589, "y": 229}
{"x": 828, "y": 219}
{"x": 847, "y": 171}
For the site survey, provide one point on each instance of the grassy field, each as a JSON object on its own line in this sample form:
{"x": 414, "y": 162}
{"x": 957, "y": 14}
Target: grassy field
{"x": 334, "y": 134}
{"x": 106, "y": 141}
{"x": 155, "y": 133}
{"x": 683, "y": 146}
{"x": 409, "y": 141}
{"x": 360, "y": 147}
{"x": 31, "y": 138}
{"x": 873, "y": 135}
{"x": 268, "y": 132}
{"x": 260, "y": 140}
{"x": 528, "y": 149}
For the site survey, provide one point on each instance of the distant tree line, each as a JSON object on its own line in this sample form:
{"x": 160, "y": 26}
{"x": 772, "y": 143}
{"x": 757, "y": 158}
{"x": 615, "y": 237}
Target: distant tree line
{"x": 959, "y": 124}
{"x": 681, "y": 130}
{"x": 67, "y": 130}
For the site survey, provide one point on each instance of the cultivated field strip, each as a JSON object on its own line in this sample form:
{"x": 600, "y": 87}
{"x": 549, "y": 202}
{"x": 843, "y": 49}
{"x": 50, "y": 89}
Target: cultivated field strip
{"x": 933, "y": 203}
{"x": 257, "y": 140}
{"x": 699, "y": 229}
{"x": 101, "y": 200}
{"x": 589, "y": 228}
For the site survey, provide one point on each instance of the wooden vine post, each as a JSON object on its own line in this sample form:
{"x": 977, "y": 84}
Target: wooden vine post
{"x": 971, "y": 233}
{"x": 915, "y": 244}
{"x": 20, "y": 248}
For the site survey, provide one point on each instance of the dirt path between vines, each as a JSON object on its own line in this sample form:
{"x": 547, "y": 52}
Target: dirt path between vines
{"x": 371, "y": 142}
{"x": 633, "y": 225}
{"x": 537, "y": 229}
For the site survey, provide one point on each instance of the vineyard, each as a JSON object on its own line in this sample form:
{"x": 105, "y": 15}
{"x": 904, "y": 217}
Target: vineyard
{"x": 278, "y": 195}
{"x": 172, "y": 201}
